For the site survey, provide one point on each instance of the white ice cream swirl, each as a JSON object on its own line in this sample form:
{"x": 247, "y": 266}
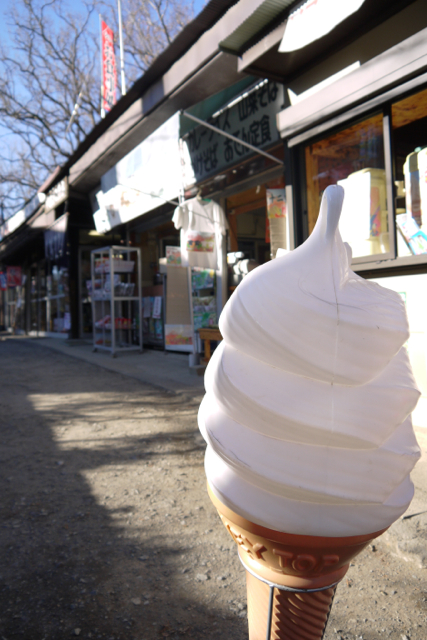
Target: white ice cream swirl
{"x": 308, "y": 397}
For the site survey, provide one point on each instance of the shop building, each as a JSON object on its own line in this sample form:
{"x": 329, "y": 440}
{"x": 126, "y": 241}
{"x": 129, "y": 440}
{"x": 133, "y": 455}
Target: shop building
{"x": 214, "y": 203}
{"x": 347, "y": 89}
{"x": 45, "y": 258}
{"x": 357, "y": 116}
{"x": 52, "y": 298}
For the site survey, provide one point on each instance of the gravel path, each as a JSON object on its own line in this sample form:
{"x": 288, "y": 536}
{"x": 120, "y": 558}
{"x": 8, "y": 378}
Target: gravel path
{"x": 106, "y": 528}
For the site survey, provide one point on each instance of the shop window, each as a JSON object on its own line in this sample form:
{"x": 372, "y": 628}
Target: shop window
{"x": 246, "y": 214}
{"x": 353, "y": 158}
{"x": 258, "y": 221}
{"x": 50, "y": 304}
{"x": 409, "y": 131}
{"x": 15, "y": 307}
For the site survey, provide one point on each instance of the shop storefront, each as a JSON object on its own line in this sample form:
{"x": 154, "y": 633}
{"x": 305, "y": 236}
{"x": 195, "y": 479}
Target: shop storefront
{"x": 48, "y": 245}
{"x": 12, "y": 286}
{"x": 49, "y": 284}
{"x": 236, "y": 158}
{"x": 137, "y": 197}
{"x": 205, "y": 201}
{"x": 368, "y": 132}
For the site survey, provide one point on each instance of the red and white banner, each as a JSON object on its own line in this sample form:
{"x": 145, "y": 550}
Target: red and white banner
{"x": 109, "y": 72}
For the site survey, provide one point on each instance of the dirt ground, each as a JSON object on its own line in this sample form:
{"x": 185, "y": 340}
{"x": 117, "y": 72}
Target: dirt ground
{"x": 106, "y": 528}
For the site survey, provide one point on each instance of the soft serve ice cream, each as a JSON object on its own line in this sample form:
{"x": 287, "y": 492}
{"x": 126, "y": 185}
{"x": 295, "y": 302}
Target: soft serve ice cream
{"x": 308, "y": 397}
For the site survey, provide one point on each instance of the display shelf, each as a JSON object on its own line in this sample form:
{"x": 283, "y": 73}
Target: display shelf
{"x": 116, "y": 299}
{"x": 203, "y": 302}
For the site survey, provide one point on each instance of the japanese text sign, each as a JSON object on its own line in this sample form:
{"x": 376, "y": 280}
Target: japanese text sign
{"x": 252, "y": 119}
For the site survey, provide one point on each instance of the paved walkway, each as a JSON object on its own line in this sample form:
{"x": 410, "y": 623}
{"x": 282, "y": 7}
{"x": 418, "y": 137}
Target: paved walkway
{"x": 164, "y": 369}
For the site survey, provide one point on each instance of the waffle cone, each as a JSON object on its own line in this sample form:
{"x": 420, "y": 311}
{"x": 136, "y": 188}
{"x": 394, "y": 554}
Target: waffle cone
{"x": 308, "y": 568}
{"x": 295, "y": 615}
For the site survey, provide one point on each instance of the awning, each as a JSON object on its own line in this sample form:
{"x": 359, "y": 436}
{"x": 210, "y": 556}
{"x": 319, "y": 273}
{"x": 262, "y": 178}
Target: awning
{"x": 266, "y": 14}
{"x": 147, "y": 177}
{"x": 15, "y": 221}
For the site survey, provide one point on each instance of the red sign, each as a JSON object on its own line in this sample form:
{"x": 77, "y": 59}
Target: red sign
{"x": 14, "y": 277}
{"x": 109, "y": 72}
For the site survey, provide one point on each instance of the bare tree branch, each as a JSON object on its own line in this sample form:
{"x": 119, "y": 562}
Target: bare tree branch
{"x": 53, "y": 56}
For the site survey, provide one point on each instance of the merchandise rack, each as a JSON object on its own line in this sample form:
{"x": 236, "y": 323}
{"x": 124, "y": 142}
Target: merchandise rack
{"x": 116, "y": 299}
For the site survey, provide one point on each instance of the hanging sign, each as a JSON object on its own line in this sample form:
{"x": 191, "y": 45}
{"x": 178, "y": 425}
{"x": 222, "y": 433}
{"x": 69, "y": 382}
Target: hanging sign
{"x": 252, "y": 119}
{"x": 173, "y": 256}
{"x": 14, "y": 277}
{"x": 55, "y": 241}
{"x": 109, "y": 72}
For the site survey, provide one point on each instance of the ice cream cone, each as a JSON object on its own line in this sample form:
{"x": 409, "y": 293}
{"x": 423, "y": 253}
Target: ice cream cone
{"x": 295, "y": 575}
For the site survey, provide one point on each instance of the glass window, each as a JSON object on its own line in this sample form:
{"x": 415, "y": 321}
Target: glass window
{"x": 42, "y": 315}
{"x": 34, "y": 315}
{"x": 50, "y": 300}
{"x": 409, "y": 130}
{"x": 42, "y": 289}
{"x": 353, "y": 158}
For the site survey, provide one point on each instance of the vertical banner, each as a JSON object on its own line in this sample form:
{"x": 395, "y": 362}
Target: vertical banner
{"x": 109, "y": 72}
{"x": 276, "y": 219}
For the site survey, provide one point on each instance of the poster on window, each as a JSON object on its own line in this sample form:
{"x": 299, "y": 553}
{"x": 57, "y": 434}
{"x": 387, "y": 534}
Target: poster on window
{"x": 146, "y": 302}
{"x": 14, "y": 277}
{"x": 179, "y": 337}
{"x": 157, "y": 308}
{"x": 173, "y": 256}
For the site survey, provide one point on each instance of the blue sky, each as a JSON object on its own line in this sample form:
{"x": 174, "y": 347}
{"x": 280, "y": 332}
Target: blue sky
{"x": 7, "y": 139}
{"x": 4, "y": 4}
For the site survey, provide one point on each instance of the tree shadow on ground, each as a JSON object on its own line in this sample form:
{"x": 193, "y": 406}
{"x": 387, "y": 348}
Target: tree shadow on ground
{"x": 106, "y": 529}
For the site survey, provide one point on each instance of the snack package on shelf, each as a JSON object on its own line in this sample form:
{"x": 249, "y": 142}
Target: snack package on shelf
{"x": 124, "y": 289}
{"x": 107, "y": 283}
{"x": 104, "y": 323}
{"x": 120, "y": 266}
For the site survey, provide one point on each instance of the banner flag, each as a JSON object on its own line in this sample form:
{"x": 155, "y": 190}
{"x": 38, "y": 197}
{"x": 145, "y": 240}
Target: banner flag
{"x": 109, "y": 72}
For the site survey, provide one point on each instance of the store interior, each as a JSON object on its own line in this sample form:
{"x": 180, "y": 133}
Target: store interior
{"x": 409, "y": 129}
{"x": 355, "y": 158}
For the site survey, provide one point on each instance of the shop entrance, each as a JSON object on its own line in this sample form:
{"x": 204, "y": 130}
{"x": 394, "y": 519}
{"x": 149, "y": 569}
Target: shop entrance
{"x": 258, "y": 222}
